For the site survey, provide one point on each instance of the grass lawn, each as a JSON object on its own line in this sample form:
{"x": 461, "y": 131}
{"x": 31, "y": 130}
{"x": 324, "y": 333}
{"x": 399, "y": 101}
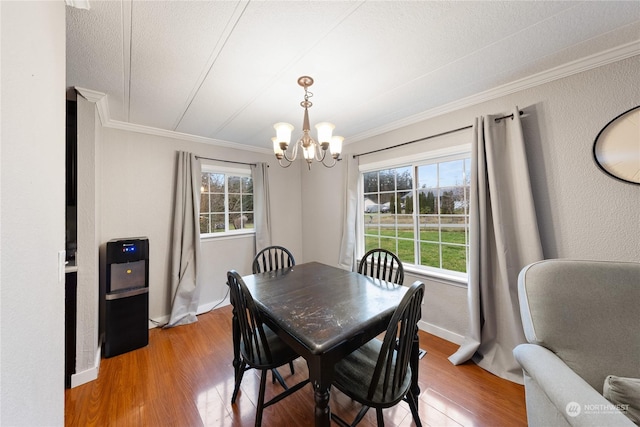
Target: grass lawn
{"x": 435, "y": 248}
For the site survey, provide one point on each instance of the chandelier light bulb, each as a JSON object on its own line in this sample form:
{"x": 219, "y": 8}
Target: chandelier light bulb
{"x": 324, "y": 130}
{"x": 335, "y": 146}
{"x": 283, "y": 132}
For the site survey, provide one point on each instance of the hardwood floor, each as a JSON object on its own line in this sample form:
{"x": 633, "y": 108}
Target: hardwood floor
{"x": 184, "y": 377}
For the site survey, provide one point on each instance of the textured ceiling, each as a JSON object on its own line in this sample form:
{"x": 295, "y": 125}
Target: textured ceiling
{"x": 228, "y": 70}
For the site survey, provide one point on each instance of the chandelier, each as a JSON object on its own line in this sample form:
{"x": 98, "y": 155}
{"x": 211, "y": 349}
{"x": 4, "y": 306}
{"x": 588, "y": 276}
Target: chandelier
{"x": 311, "y": 149}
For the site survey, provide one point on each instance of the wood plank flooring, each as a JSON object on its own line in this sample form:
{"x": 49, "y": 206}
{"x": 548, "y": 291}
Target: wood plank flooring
{"x": 184, "y": 377}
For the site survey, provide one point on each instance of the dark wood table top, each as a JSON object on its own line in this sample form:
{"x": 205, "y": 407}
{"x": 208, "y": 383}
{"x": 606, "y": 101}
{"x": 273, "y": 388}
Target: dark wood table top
{"x": 323, "y": 307}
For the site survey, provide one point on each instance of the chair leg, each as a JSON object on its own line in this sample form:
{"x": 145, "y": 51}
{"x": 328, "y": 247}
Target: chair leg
{"x": 379, "y": 417}
{"x": 360, "y": 415}
{"x": 291, "y": 366}
{"x": 236, "y": 388}
{"x": 260, "y": 407}
{"x": 277, "y": 376}
{"x": 414, "y": 409}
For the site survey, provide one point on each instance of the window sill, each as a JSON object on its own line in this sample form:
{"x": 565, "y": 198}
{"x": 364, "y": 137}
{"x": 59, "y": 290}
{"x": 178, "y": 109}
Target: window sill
{"x": 227, "y": 236}
{"x": 447, "y": 279}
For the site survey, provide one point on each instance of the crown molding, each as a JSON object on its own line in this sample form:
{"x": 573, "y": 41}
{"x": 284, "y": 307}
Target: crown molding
{"x": 115, "y": 124}
{"x": 100, "y": 99}
{"x": 597, "y": 60}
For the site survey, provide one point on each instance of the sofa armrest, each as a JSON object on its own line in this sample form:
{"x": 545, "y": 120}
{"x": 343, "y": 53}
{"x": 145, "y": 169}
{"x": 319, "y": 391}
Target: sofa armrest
{"x": 572, "y": 396}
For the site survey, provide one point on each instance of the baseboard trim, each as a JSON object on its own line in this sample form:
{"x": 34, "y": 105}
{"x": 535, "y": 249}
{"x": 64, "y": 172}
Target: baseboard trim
{"x": 90, "y": 374}
{"x": 440, "y": 332}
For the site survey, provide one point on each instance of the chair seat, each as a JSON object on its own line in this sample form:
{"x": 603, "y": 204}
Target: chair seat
{"x": 281, "y": 353}
{"x": 353, "y": 375}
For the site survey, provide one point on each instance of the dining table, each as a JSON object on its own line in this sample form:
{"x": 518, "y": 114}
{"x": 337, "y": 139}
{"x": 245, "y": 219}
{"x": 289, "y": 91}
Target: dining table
{"x": 324, "y": 313}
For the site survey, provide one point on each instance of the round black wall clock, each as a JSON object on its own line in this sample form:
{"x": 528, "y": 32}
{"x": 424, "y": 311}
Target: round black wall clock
{"x": 616, "y": 149}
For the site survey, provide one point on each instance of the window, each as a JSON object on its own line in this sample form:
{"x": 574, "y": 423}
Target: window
{"x": 420, "y": 212}
{"x": 226, "y": 202}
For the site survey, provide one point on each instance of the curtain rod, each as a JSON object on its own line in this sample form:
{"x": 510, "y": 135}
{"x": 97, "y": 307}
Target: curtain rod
{"x": 497, "y": 119}
{"x": 225, "y": 161}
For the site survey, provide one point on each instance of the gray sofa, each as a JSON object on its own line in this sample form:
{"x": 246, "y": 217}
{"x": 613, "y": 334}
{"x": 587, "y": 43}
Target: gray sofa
{"x": 582, "y": 323}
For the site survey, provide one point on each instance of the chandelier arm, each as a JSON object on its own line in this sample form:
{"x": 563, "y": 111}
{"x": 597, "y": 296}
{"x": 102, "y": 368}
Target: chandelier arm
{"x": 320, "y": 154}
{"x": 283, "y": 165}
{"x": 287, "y": 158}
{"x": 330, "y": 165}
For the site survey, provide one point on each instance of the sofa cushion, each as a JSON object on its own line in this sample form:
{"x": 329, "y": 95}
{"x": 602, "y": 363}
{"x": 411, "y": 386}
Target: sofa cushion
{"x": 625, "y": 394}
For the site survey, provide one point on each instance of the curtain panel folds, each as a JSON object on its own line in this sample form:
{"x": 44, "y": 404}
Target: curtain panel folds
{"x": 261, "y": 205}
{"x": 504, "y": 238}
{"x": 185, "y": 253}
{"x": 347, "y": 257}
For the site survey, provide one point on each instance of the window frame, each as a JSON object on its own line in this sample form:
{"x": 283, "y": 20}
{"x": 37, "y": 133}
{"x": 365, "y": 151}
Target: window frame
{"x": 227, "y": 172}
{"x": 454, "y": 152}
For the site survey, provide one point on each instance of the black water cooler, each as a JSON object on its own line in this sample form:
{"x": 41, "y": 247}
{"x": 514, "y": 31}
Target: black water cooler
{"x": 125, "y": 295}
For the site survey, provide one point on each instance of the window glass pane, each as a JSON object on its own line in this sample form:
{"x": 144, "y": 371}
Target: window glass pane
{"x": 247, "y": 202}
{"x": 234, "y": 184}
{"x": 216, "y": 182}
{"x": 204, "y": 202}
{"x": 451, "y": 173}
{"x": 371, "y": 243}
{"x": 387, "y": 180}
{"x": 405, "y": 226}
{"x": 217, "y": 223}
{"x": 453, "y": 233}
{"x": 247, "y": 184}
{"x": 371, "y": 203}
{"x": 387, "y": 225}
{"x": 454, "y": 258}
{"x": 388, "y": 244}
{"x": 204, "y": 182}
{"x": 428, "y": 176}
{"x": 249, "y": 221}
{"x": 204, "y": 224}
{"x": 430, "y": 254}
{"x": 370, "y": 180}
{"x": 408, "y": 203}
{"x": 429, "y": 228}
{"x": 427, "y": 201}
{"x": 234, "y": 203}
{"x": 404, "y": 179}
{"x": 406, "y": 251}
{"x": 446, "y": 201}
{"x": 237, "y": 221}
{"x": 217, "y": 202}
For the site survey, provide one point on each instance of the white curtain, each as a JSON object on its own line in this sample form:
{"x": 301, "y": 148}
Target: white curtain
{"x": 504, "y": 238}
{"x": 185, "y": 242}
{"x": 261, "y": 205}
{"x": 347, "y": 257}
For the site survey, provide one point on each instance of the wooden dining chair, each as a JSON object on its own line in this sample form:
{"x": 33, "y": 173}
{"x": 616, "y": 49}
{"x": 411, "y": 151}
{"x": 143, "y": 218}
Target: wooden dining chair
{"x": 378, "y": 374}
{"x": 382, "y": 264}
{"x": 260, "y": 347}
{"x": 272, "y": 258}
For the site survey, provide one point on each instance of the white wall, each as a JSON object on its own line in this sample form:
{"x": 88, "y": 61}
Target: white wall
{"x": 32, "y": 204}
{"x": 582, "y": 213}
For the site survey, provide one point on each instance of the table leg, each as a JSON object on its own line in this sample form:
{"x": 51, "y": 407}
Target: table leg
{"x": 321, "y": 377}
